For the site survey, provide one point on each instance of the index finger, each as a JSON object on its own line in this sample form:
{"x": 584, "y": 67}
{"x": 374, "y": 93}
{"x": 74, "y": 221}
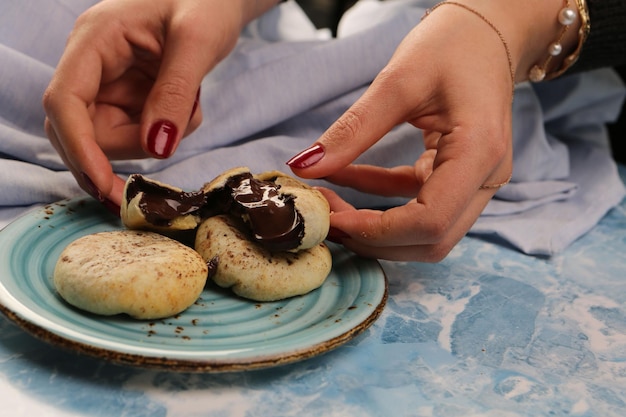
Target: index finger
{"x": 374, "y": 114}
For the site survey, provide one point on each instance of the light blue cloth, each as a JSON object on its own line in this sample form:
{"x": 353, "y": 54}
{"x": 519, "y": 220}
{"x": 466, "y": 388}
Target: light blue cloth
{"x": 284, "y": 85}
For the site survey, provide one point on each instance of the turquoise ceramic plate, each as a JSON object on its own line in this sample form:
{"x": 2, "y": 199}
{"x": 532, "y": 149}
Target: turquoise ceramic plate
{"x": 219, "y": 333}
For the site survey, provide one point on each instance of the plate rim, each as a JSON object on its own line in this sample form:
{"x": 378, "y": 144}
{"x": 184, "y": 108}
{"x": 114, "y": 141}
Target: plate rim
{"x": 195, "y": 365}
{"x": 176, "y": 364}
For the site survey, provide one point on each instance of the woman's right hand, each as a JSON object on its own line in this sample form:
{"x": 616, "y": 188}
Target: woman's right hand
{"x": 452, "y": 77}
{"x": 127, "y": 84}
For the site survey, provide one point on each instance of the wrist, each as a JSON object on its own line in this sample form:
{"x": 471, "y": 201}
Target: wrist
{"x": 550, "y": 35}
{"x": 550, "y": 40}
{"x": 563, "y": 52}
{"x": 530, "y": 27}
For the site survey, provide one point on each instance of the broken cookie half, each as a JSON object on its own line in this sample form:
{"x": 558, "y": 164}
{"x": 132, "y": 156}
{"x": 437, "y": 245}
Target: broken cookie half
{"x": 150, "y": 204}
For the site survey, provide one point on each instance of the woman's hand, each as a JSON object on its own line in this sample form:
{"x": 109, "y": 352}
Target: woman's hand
{"x": 451, "y": 78}
{"x": 127, "y": 84}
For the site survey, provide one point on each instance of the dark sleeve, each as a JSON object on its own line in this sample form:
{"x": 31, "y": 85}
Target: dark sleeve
{"x": 606, "y": 44}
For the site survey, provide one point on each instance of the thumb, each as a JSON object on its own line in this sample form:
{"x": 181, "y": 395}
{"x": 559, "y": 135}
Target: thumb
{"x": 361, "y": 126}
{"x": 174, "y": 97}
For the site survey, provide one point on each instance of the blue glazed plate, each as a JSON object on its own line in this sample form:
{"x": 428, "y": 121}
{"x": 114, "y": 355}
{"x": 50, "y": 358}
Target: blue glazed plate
{"x": 219, "y": 333}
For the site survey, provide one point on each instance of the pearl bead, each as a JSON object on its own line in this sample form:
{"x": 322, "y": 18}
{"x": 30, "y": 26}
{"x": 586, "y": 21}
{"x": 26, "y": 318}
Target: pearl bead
{"x": 555, "y": 49}
{"x": 567, "y": 16}
{"x": 536, "y": 74}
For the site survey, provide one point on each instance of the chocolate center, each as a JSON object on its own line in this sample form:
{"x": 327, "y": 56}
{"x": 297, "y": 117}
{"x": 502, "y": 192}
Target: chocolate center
{"x": 271, "y": 216}
{"x": 160, "y": 205}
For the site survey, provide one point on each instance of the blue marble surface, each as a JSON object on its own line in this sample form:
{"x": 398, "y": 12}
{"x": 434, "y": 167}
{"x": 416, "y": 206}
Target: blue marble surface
{"x": 487, "y": 332}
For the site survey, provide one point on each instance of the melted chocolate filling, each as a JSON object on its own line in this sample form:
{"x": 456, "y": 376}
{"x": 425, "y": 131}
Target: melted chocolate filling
{"x": 272, "y": 217}
{"x": 160, "y": 205}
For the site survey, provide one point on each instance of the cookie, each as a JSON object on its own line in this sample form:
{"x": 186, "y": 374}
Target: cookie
{"x": 251, "y": 270}
{"x": 143, "y": 274}
{"x": 310, "y": 204}
{"x": 283, "y": 213}
{"x": 153, "y": 205}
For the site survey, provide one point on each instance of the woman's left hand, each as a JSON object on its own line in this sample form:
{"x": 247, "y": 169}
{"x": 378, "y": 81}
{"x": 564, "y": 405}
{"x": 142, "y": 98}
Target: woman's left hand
{"x": 450, "y": 77}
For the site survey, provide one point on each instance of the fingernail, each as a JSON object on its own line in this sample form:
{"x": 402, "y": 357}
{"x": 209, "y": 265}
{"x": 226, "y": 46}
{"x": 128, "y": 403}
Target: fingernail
{"x": 111, "y": 207}
{"x": 161, "y": 138}
{"x": 307, "y": 157}
{"x": 91, "y": 187}
{"x": 336, "y": 235}
{"x": 95, "y": 193}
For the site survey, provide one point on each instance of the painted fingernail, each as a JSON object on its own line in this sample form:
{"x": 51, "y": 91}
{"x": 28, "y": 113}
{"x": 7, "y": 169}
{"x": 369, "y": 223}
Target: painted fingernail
{"x": 91, "y": 187}
{"x": 336, "y": 235}
{"x": 111, "y": 207}
{"x": 196, "y": 103}
{"x": 161, "y": 138}
{"x": 307, "y": 157}
{"x": 95, "y": 193}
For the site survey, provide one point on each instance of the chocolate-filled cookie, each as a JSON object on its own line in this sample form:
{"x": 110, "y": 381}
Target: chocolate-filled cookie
{"x": 251, "y": 270}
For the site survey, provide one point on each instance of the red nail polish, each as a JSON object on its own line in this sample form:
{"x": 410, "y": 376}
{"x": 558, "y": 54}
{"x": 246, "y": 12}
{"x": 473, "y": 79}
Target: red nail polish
{"x": 161, "y": 138}
{"x": 91, "y": 187}
{"x": 307, "y": 157}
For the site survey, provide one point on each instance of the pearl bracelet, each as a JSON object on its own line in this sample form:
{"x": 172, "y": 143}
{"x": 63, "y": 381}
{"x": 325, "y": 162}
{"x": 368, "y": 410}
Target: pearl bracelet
{"x": 566, "y": 17}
